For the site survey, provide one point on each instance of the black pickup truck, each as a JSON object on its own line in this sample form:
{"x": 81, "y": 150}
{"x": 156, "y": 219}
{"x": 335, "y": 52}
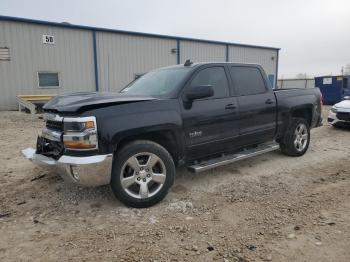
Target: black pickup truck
{"x": 199, "y": 115}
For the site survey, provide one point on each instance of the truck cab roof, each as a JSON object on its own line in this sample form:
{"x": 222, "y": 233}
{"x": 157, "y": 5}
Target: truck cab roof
{"x": 198, "y": 64}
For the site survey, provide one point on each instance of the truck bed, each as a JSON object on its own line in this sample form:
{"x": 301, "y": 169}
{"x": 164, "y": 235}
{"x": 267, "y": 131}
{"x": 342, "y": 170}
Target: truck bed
{"x": 290, "y": 99}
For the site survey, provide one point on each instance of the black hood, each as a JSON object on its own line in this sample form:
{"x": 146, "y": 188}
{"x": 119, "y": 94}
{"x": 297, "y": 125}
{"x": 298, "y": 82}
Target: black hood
{"x": 75, "y": 102}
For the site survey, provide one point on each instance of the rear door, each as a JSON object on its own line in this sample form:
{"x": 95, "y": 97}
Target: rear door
{"x": 210, "y": 123}
{"x": 257, "y": 104}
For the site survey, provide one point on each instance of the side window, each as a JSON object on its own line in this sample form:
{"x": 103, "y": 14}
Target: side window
{"x": 214, "y": 76}
{"x": 247, "y": 80}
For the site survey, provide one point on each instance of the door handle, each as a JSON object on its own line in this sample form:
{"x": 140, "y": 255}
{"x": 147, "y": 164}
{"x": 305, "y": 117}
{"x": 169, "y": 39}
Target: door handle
{"x": 230, "y": 106}
{"x": 269, "y": 101}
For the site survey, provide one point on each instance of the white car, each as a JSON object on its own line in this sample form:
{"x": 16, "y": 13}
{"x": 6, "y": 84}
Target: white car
{"x": 340, "y": 113}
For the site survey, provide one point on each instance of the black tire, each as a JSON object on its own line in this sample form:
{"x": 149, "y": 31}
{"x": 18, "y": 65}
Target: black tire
{"x": 287, "y": 143}
{"x": 120, "y": 165}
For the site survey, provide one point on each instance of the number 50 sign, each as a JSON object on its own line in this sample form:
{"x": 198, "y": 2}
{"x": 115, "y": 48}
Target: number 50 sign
{"x": 48, "y": 39}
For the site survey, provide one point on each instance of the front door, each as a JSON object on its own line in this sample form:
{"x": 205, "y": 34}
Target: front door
{"x": 210, "y": 124}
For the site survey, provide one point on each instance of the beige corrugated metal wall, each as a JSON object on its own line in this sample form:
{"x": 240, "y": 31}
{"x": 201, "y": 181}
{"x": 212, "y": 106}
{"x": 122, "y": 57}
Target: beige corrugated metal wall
{"x": 267, "y": 58}
{"x": 71, "y": 56}
{"x": 202, "y": 52}
{"x": 122, "y": 56}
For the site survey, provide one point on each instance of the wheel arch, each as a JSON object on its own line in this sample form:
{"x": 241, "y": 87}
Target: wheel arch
{"x": 167, "y": 138}
{"x": 304, "y": 112}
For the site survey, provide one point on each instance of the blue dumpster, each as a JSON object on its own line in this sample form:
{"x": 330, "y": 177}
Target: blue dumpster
{"x": 333, "y": 88}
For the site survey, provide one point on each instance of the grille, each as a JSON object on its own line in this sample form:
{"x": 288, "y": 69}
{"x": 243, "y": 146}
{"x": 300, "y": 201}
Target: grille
{"x": 54, "y": 125}
{"x": 49, "y": 148}
{"x": 343, "y": 116}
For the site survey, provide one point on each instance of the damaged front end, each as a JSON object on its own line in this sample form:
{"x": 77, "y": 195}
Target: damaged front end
{"x": 68, "y": 146}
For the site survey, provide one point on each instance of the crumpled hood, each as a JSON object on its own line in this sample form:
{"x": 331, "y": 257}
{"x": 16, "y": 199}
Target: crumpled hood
{"x": 83, "y": 100}
{"x": 343, "y": 104}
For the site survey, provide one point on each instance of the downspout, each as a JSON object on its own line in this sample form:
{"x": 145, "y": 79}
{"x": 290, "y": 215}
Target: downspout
{"x": 94, "y": 44}
{"x": 277, "y": 60}
{"x": 227, "y": 53}
{"x": 178, "y": 51}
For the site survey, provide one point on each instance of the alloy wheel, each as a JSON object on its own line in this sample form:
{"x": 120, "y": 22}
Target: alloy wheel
{"x": 301, "y": 137}
{"x": 143, "y": 175}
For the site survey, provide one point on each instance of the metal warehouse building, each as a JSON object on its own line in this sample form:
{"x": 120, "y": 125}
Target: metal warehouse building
{"x": 38, "y": 57}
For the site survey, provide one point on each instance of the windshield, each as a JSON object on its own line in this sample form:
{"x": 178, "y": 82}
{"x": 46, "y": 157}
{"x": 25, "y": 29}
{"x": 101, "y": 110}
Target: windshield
{"x": 157, "y": 83}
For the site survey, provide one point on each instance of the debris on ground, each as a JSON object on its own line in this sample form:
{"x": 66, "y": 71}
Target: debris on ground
{"x": 291, "y": 236}
{"x": 5, "y": 215}
{"x": 251, "y": 247}
{"x": 296, "y": 228}
{"x": 22, "y": 202}
{"x": 210, "y": 248}
{"x": 38, "y": 177}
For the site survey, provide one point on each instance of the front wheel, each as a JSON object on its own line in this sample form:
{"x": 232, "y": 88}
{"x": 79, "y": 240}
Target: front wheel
{"x": 143, "y": 172}
{"x": 297, "y": 138}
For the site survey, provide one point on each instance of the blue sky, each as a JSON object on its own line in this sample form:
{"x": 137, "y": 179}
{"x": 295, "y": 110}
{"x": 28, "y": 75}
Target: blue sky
{"x": 313, "y": 35}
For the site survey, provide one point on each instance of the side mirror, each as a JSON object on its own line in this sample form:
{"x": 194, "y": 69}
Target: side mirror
{"x": 346, "y": 97}
{"x": 198, "y": 92}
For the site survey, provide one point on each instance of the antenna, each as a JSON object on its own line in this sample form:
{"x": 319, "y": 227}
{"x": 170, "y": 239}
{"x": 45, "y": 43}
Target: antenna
{"x": 188, "y": 62}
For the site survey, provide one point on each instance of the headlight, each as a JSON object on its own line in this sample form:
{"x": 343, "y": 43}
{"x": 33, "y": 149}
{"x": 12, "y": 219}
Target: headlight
{"x": 334, "y": 110}
{"x": 80, "y": 133}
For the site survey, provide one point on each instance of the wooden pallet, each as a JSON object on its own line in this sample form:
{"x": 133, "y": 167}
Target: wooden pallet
{"x": 32, "y": 102}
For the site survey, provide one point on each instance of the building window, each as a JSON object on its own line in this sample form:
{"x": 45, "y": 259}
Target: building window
{"x": 4, "y": 53}
{"x": 48, "y": 80}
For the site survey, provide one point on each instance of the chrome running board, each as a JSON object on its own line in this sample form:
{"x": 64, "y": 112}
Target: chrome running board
{"x": 228, "y": 159}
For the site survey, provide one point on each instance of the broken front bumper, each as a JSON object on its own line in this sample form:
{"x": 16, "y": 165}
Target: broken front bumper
{"x": 88, "y": 171}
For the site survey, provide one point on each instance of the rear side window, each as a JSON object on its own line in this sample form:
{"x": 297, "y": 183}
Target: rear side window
{"x": 247, "y": 80}
{"x": 214, "y": 76}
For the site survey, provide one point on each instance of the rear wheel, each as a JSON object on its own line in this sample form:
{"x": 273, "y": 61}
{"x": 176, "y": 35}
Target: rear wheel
{"x": 143, "y": 172}
{"x": 297, "y": 138}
